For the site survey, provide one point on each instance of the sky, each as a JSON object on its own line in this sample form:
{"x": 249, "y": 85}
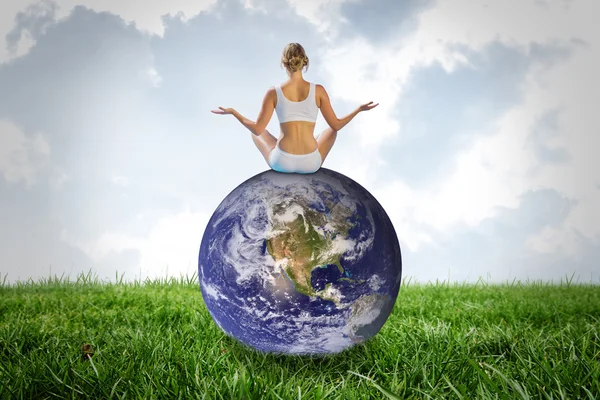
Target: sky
{"x": 482, "y": 150}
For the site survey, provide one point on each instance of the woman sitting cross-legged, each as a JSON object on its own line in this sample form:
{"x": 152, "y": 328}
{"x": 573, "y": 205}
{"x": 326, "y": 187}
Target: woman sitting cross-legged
{"x": 297, "y": 103}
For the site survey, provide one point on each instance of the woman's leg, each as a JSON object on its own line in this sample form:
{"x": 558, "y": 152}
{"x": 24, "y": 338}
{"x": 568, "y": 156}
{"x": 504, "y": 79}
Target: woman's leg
{"x": 325, "y": 142}
{"x": 265, "y": 143}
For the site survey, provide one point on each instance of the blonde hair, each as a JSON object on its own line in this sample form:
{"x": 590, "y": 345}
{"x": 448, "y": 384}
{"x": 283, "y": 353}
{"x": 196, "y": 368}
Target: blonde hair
{"x": 294, "y": 57}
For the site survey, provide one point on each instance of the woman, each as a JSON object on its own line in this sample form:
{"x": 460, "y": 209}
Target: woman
{"x": 297, "y": 103}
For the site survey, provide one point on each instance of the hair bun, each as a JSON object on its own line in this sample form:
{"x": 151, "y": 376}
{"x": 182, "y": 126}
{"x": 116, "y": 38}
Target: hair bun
{"x": 294, "y": 57}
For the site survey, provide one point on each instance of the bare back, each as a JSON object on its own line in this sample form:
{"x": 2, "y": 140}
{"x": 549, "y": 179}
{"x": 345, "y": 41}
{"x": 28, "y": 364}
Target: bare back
{"x": 297, "y": 137}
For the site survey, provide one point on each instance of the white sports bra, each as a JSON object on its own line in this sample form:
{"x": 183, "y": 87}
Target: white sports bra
{"x": 305, "y": 110}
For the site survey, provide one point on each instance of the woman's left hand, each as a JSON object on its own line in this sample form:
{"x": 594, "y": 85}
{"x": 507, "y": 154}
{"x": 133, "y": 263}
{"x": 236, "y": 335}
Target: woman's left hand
{"x": 368, "y": 106}
{"x": 223, "y": 111}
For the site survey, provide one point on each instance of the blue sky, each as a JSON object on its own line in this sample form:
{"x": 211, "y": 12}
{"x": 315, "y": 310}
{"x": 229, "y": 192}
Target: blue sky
{"x": 482, "y": 150}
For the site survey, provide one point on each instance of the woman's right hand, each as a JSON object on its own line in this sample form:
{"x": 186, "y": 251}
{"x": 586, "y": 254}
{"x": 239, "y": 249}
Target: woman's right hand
{"x": 222, "y": 111}
{"x": 368, "y": 106}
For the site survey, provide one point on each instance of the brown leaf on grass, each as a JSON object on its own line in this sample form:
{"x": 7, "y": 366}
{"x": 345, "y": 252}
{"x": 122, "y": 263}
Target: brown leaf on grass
{"x": 87, "y": 351}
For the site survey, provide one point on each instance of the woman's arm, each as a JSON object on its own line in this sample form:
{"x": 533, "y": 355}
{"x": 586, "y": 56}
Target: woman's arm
{"x": 344, "y": 121}
{"x": 329, "y": 115}
{"x": 264, "y": 116}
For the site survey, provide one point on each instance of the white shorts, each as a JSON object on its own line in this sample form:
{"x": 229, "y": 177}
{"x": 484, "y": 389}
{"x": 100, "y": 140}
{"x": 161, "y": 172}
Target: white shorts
{"x": 308, "y": 163}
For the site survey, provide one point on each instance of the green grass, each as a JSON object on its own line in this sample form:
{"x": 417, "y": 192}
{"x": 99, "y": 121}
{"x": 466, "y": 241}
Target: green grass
{"x": 156, "y": 339}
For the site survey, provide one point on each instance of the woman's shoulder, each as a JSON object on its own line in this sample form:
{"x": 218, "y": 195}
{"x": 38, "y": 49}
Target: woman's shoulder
{"x": 319, "y": 89}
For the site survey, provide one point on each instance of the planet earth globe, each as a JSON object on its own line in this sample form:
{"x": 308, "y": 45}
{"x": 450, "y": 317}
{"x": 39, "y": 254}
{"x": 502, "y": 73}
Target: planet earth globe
{"x": 300, "y": 263}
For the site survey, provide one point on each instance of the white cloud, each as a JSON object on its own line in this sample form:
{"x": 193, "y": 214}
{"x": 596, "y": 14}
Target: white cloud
{"x": 499, "y": 166}
{"x": 8, "y": 11}
{"x": 171, "y": 247}
{"x": 254, "y": 6}
{"x": 21, "y": 157}
{"x": 120, "y": 181}
{"x": 573, "y": 88}
{"x": 153, "y": 76}
{"x": 359, "y": 71}
{"x": 147, "y": 15}
{"x": 513, "y": 22}
{"x": 495, "y": 169}
{"x": 553, "y": 240}
{"x": 323, "y": 14}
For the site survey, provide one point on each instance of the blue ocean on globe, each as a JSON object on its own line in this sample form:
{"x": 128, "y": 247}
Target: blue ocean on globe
{"x": 300, "y": 263}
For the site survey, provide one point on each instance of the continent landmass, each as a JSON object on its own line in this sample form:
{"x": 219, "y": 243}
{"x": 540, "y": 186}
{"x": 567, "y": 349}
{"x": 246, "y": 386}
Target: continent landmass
{"x": 304, "y": 248}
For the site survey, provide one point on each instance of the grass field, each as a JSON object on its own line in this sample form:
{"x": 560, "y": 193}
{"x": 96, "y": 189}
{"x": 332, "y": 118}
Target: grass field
{"x": 156, "y": 339}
